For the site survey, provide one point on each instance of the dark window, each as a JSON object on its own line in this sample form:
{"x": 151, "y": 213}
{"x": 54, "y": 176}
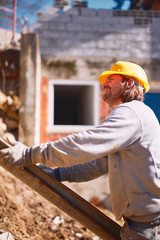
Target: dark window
{"x": 73, "y": 105}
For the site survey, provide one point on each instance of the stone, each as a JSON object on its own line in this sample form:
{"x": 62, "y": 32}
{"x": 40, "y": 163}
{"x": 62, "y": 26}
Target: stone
{"x": 6, "y": 236}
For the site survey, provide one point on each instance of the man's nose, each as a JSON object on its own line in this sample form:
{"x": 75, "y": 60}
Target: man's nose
{"x": 105, "y": 84}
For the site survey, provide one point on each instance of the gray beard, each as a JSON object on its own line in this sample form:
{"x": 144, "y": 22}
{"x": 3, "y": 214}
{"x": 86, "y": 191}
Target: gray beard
{"x": 110, "y": 97}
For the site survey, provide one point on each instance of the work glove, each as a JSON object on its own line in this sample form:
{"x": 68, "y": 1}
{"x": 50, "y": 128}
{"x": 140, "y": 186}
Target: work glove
{"x": 13, "y": 156}
{"x": 53, "y": 173}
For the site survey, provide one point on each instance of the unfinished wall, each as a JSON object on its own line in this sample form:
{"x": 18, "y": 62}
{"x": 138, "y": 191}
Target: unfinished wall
{"x": 80, "y": 43}
{"x": 93, "y": 39}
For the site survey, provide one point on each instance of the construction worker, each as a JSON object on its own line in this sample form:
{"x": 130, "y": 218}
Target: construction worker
{"x": 126, "y": 145}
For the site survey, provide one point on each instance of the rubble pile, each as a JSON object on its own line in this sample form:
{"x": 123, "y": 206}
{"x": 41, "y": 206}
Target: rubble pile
{"x": 26, "y": 215}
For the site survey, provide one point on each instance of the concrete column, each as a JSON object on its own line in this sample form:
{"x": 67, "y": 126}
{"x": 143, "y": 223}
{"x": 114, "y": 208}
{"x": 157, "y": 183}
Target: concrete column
{"x": 30, "y": 83}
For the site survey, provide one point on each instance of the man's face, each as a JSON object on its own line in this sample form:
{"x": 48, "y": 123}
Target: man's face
{"x": 113, "y": 88}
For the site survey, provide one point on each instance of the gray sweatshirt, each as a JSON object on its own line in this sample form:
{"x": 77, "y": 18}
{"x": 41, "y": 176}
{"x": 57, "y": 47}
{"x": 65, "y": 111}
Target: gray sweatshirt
{"x": 129, "y": 136}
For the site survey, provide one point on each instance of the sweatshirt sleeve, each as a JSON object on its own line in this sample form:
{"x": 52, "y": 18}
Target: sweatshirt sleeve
{"x": 120, "y": 129}
{"x": 84, "y": 172}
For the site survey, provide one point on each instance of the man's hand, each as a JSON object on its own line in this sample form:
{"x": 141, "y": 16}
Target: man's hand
{"x": 53, "y": 173}
{"x": 13, "y": 156}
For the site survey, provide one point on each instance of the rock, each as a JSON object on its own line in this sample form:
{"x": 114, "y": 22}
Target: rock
{"x": 6, "y": 236}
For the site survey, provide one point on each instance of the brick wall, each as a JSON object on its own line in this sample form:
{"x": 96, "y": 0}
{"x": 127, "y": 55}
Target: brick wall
{"x": 44, "y": 107}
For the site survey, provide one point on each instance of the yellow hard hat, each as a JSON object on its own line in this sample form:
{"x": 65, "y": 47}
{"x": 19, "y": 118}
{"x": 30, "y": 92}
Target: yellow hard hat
{"x": 127, "y": 69}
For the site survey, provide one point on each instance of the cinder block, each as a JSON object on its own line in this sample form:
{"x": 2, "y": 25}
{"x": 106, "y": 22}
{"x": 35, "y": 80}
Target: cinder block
{"x": 37, "y": 25}
{"x": 105, "y": 27}
{"x": 45, "y": 17}
{"x": 49, "y": 51}
{"x": 67, "y": 35}
{"x": 155, "y": 55}
{"x": 155, "y": 47}
{"x": 62, "y": 18}
{"x": 74, "y": 27}
{"x": 66, "y": 43}
{"x": 71, "y": 11}
{"x": 44, "y": 42}
{"x": 53, "y": 34}
{"x": 39, "y": 31}
{"x": 145, "y": 46}
{"x": 85, "y": 19}
{"x": 52, "y": 10}
{"x": 155, "y": 27}
{"x": 155, "y": 21}
{"x": 105, "y": 13}
{"x": 125, "y": 20}
{"x": 89, "y": 27}
{"x": 123, "y": 54}
{"x": 56, "y": 26}
{"x": 88, "y": 12}
{"x": 111, "y": 20}
{"x": 155, "y": 39}
{"x": 153, "y": 14}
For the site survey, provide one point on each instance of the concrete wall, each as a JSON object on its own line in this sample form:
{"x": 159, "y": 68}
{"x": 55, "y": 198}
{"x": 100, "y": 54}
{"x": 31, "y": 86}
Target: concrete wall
{"x": 30, "y": 84}
{"x": 97, "y": 38}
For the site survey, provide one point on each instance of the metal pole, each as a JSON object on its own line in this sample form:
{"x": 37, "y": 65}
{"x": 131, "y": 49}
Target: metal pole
{"x": 14, "y": 18}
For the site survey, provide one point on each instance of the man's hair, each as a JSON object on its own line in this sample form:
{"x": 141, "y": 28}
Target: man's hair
{"x": 133, "y": 93}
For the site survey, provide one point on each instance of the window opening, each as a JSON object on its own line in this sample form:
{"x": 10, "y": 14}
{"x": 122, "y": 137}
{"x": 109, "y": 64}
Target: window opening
{"x": 73, "y": 103}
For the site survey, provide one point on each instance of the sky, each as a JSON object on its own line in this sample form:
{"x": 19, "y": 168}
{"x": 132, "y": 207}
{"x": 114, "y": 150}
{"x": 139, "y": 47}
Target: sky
{"x": 106, "y": 4}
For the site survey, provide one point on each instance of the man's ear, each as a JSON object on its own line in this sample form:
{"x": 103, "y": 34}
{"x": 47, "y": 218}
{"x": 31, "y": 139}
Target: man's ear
{"x": 130, "y": 83}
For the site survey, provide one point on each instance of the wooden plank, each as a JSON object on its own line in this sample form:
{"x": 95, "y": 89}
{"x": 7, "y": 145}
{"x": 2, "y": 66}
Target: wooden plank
{"x": 66, "y": 200}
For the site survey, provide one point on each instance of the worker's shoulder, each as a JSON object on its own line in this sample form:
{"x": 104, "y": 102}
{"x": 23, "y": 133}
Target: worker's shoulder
{"x": 133, "y": 109}
{"x": 134, "y": 106}
{"x": 126, "y": 111}
{"x": 138, "y": 108}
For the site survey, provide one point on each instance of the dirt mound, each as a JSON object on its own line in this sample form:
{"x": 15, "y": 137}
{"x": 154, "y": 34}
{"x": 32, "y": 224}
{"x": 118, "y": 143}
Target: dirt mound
{"x": 27, "y": 215}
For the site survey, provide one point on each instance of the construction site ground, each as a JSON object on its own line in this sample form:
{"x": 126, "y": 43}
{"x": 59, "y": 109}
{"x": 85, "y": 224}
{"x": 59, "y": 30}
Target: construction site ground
{"x": 27, "y": 215}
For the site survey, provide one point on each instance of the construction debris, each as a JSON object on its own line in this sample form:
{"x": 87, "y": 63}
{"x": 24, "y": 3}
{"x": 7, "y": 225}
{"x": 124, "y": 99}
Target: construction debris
{"x": 9, "y": 92}
{"x": 9, "y": 106}
{"x": 27, "y": 215}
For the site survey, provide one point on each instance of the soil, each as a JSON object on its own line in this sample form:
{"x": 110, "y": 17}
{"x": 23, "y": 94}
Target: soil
{"x": 27, "y": 215}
